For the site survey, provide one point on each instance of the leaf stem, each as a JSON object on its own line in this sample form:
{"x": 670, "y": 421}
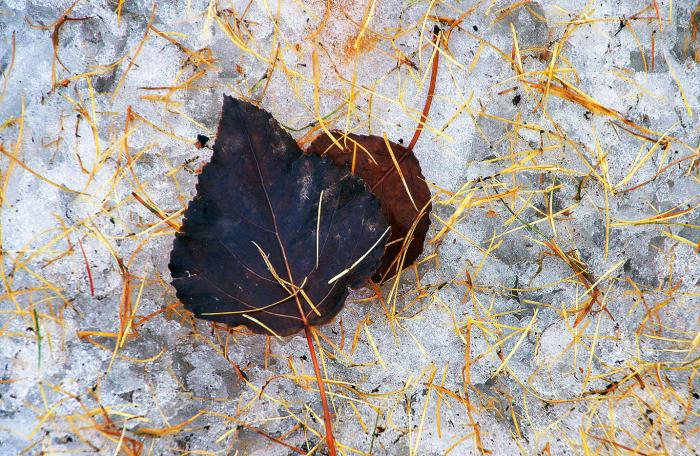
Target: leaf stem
{"x": 424, "y": 114}
{"x": 431, "y": 92}
{"x": 322, "y": 389}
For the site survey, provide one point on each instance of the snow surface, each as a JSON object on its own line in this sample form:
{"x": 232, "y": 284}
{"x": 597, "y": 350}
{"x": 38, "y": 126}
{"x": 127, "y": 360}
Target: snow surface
{"x": 538, "y": 391}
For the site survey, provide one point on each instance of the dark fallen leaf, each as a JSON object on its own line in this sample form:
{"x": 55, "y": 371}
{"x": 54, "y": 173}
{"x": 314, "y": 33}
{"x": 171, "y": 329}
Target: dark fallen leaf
{"x": 369, "y": 158}
{"x": 247, "y": 250}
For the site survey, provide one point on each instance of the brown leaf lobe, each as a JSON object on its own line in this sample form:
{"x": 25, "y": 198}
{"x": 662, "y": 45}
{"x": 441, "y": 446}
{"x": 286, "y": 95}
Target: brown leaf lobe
{"x": 370, "y": 158}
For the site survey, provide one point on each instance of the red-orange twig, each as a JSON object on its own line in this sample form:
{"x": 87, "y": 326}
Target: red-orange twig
{"x": 322, "y": 389}
{"x": 276, "y": 440}
{"x": 658, "y": 15}
{"x": 87, "y": 267}
{"x": 423, "y": 116}
{"x": 431, "y": 92}
{"x": 619, "y": 445}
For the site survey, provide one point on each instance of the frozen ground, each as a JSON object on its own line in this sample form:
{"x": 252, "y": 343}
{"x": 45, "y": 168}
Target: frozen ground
{"x": 563, "y": 169}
